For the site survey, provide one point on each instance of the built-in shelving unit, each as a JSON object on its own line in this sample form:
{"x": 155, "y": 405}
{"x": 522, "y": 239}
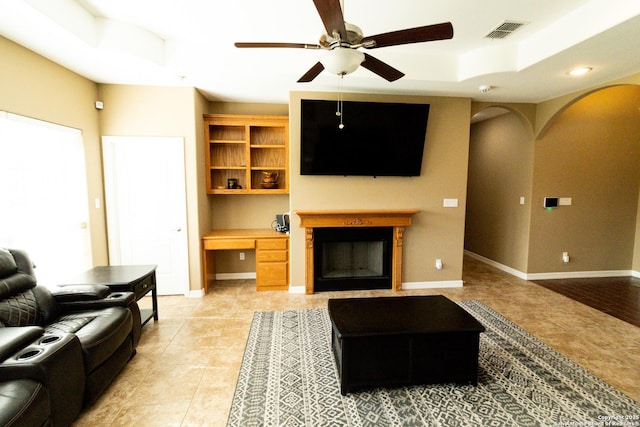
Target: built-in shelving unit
{"x": 245, "y": 149}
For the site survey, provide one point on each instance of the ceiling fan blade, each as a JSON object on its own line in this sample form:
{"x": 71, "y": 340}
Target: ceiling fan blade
{"x": 427, "y": 33}
{"x": 331, "y": 14}
{"x": 278, "y": 45}
{"x": 382, "y": 69}
{"x": 312, "y": 73}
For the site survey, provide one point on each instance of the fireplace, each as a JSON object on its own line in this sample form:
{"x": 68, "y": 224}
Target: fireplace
{"x": 348, "y": 222}
{"x": 352, "y": 258}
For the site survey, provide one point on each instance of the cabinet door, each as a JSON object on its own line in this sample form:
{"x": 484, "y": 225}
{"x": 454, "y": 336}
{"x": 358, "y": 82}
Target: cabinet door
{"x": 272, "y": 276}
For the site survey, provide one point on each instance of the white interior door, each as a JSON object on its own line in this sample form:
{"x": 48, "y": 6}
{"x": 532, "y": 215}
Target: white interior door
{"x": 146, "y": 206}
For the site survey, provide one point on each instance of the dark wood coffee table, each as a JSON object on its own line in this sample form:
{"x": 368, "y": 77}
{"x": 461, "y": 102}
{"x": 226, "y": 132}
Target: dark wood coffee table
{"x": 395, "y": 341}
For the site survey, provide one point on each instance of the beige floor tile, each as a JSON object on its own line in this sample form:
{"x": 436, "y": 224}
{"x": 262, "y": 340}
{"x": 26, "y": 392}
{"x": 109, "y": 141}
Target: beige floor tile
{"x": 187, "y": 363}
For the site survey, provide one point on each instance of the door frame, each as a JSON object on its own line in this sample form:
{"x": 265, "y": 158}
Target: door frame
{"x": 111, "y": 201}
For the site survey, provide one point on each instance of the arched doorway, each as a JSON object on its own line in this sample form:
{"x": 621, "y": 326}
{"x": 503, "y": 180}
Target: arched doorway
{"x": 499, "y": 187}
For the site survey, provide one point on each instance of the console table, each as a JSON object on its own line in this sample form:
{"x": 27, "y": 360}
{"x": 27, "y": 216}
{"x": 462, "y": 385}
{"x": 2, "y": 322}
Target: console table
{"x": 139, "y": 279}
{"x": 272, "y": 254}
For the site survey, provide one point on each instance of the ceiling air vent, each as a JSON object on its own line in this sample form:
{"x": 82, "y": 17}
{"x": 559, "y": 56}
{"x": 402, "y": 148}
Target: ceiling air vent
{"x": 504, "y": 29}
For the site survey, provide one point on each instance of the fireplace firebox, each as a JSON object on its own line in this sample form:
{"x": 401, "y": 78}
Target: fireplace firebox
{"x": 353, "y": 258}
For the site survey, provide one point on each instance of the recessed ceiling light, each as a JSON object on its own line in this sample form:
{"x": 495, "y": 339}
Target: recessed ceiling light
{"x": 580, "y": 71}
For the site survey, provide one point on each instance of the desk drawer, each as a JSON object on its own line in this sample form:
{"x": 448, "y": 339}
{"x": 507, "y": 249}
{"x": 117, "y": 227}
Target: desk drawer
{"x": 272, "y": 243}
{"x": 271, "y": 256}
{"x": 142, "y": 287}
{"x": 223, "y": 244}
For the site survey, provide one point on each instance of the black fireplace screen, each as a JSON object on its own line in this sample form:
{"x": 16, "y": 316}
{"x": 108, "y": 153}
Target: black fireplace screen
{"x": 352, "y": 258}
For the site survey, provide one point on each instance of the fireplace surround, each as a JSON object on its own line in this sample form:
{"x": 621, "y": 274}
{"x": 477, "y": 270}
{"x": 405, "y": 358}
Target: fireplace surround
{"x": 396, "y": 220}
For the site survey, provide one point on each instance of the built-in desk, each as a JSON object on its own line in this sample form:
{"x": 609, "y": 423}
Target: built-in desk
{"x": 272, "y": 254}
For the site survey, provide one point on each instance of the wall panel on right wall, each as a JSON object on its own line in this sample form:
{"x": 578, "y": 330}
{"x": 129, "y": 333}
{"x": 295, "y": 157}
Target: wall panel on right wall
{"x": 591, "y": 154}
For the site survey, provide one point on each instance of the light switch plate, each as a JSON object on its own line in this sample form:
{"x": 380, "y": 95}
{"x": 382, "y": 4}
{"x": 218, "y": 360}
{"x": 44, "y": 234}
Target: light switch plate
{"x": 564, "y": 201}
{"x": 450, "y": 203}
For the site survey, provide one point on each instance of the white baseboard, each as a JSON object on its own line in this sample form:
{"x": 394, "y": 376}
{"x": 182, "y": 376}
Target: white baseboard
{"x": 297, "y": 290}
{"x": 235, "y": 276}
{"x": 635, "y": 273}
{"x": 497, "y": 265}
{"x": 432, "y": 285}
{"x": 553, "y": 274}
{"x": 578, "y": 274}
{"x": 195, "y": 294}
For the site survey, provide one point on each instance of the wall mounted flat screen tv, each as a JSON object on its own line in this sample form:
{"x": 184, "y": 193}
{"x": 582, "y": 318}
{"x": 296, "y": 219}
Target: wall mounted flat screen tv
{"x": 378, "y": 138}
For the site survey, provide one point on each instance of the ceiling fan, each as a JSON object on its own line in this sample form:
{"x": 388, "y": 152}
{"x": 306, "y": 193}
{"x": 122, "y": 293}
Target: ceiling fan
{"x": 343, "y": 40}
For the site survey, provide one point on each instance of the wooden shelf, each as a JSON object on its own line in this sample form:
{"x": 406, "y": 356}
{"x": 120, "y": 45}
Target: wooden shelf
{"x": 242, "y": 148}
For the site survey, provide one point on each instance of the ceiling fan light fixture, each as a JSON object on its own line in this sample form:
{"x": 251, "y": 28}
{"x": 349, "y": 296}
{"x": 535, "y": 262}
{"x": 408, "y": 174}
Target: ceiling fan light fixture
{"x": 342, "y": 60}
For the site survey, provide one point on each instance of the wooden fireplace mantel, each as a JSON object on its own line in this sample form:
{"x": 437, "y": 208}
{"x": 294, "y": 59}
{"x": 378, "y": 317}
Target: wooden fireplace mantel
{"x": 396, "y": 218}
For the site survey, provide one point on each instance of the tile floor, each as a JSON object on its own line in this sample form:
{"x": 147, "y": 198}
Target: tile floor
{"x": 185, "y": 370}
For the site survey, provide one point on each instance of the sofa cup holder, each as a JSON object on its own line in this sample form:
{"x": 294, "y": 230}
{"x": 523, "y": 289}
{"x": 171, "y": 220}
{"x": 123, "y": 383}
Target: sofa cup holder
{"x": 30, "y": 354}
{"x": 50, "y": 339}
{"x": 115, "y": 296}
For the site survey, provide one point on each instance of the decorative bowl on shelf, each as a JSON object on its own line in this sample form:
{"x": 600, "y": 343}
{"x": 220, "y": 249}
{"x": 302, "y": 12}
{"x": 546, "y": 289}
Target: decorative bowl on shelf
{"x": 269, "y": 179}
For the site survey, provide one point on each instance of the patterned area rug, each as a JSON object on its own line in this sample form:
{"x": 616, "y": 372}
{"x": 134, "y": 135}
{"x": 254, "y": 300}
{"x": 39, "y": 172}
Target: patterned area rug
{"x": 288, "y": 378}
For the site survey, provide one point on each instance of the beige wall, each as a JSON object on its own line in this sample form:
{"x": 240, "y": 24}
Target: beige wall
{"x": 500, "y": 172}
{"x": 436, "y": 232}
{"x": 604, "y": 202}
{"x": 547, "y": 111}
{"x": 636, "y": 250}
{"x": 590, "y": 153}
{"x": 166, "y": 111}
{"x": 33, "y": 86}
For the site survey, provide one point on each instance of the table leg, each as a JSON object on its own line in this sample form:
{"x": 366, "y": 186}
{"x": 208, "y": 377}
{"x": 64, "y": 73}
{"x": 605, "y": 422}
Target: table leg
{"x": 154, "y": 302}
{"x": 208, "y": 267}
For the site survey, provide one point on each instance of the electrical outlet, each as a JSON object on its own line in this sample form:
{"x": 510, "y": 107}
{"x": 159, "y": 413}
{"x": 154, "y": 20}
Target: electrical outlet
{"x": 241, "y": 256}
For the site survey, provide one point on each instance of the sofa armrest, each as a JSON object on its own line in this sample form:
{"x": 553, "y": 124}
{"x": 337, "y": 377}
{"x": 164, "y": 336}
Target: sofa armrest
{"x": 13, "y": 339}
{"x": 76, "y": 293}
{"x": 30, "y": 361}
{"x": 113, "y": 299}
{"x": 56, "y": 361}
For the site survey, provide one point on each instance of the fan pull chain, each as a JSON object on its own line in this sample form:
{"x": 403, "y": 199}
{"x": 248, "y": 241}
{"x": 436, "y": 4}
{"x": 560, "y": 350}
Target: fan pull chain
{"x": 339, "y": 113}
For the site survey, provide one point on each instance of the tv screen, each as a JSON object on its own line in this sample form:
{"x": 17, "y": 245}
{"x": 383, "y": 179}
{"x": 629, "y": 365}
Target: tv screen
{"x": 378, "y": 138}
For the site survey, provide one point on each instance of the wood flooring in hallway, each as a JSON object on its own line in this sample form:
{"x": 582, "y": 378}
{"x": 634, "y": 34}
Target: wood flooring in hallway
{"x": 617, "y": 296}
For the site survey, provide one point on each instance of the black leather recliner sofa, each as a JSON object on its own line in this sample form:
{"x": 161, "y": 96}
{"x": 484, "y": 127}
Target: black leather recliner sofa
{"x": 59, "y": 348}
